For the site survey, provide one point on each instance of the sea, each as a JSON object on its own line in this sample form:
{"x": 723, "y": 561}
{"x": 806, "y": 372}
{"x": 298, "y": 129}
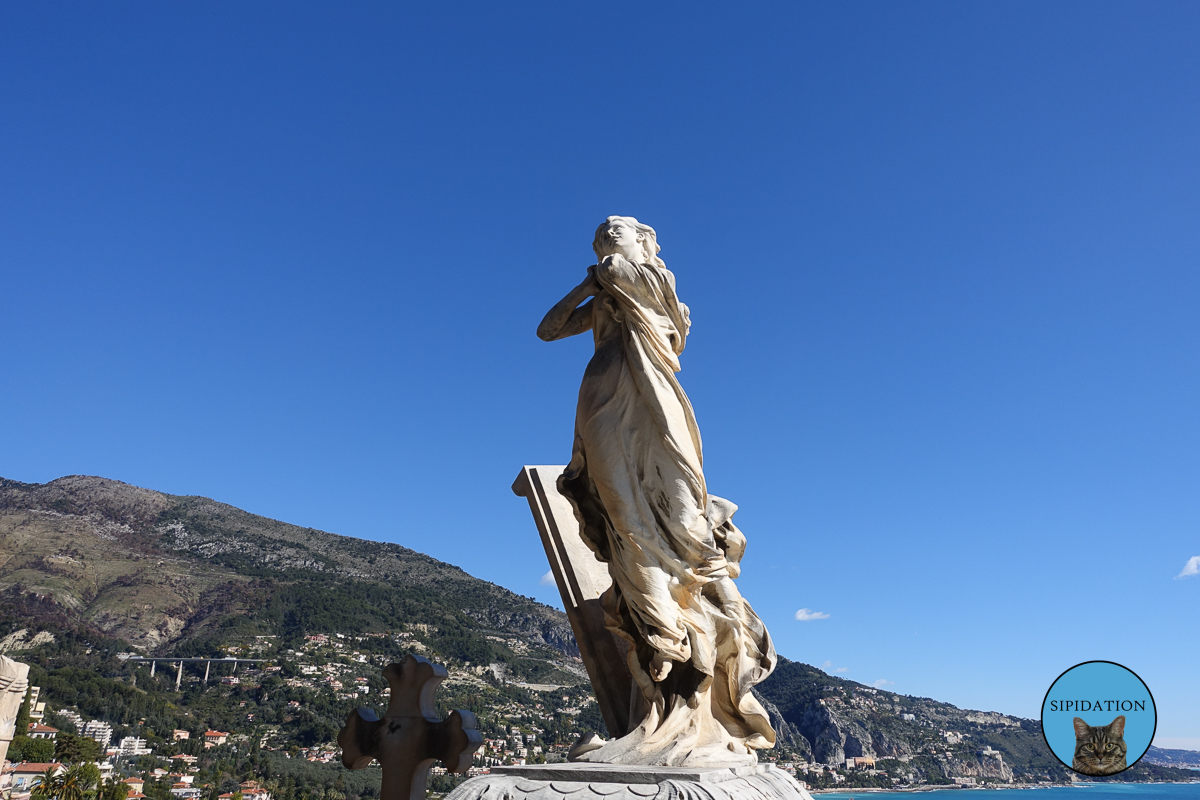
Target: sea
{"x": 1090, "y": 791}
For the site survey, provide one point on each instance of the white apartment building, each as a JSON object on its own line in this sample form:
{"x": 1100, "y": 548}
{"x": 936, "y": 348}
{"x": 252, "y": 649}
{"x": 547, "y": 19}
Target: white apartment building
{"x": 98, "y": 731}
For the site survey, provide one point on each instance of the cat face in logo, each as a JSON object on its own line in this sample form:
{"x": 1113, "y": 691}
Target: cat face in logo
{"x": 1099, "y": 750}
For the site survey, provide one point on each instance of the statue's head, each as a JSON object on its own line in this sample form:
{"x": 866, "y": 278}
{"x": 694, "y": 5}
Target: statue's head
{"x": 629, "y": 238}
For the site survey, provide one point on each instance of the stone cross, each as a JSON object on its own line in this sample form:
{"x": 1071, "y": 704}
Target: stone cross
{"x": 410, "y": 737}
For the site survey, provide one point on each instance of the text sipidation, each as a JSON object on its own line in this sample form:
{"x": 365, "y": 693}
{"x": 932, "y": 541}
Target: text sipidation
{"x": 1097, "y": 705}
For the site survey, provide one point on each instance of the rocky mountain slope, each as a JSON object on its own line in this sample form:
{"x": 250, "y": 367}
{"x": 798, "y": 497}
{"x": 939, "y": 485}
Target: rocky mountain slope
{"x": 171, "y": 575}
{"x": 167, "y": 573}
{"x": 827, "y": 720}
{"x": 1184, "y": 759}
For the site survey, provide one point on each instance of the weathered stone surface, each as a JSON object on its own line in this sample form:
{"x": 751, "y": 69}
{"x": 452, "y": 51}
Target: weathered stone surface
{"x": 581, "y": 580}
{"x": 786, "y": 734}
{"x": 988, "y": 763}
{"x": 14, "y": 682}
{"x": 858, "y": 744}
{"x": 827, "y": 738}
{"x": 626, "y": 782}
{"x": 836, "y": 738}
{"x": 627, "y": 773}
{"x": 992, "y": 718}
{"x": 692, "y": 647}
{"x": 887, "y": 747}
{"x": 410, "y": 737}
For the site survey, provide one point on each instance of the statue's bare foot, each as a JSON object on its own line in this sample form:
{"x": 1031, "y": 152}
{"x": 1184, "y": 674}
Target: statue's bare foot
{"x": 693, "y": 701}
{"x": 660, "y": 667}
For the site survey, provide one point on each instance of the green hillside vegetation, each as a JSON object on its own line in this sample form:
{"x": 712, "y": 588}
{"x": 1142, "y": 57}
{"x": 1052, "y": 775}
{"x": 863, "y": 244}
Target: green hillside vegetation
{"x": 82, "y": 670}
{"x": 93, "y": 571}
{"x": 185, "y": 575}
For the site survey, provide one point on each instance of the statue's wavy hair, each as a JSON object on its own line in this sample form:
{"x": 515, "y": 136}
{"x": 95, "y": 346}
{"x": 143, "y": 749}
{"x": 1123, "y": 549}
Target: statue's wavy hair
{"x": 645, "y": 233}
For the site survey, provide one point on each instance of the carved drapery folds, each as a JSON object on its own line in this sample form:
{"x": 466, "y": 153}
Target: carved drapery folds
{"x": 693, "y": 645}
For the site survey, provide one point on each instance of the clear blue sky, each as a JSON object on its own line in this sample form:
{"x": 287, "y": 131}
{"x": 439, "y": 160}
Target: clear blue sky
{"x": 942, "y": 260}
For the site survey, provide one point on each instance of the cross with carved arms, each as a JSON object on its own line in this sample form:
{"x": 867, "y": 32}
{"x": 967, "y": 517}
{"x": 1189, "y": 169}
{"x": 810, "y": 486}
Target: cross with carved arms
{"x": 410, "y": 737}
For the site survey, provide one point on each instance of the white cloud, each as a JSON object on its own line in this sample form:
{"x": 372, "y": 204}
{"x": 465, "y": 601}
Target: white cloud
{"x": 808, "y": 615}
{"x": 1192, "y": 567}
{"x": 882, "y": 682}
{"x": 842, "y": 669}
{"x": 547, "y": 579}
{"x": 828, "y": 667}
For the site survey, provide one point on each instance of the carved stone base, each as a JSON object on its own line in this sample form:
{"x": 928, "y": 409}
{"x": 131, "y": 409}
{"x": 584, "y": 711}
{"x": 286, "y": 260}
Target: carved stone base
{"x": 582, "y": 781}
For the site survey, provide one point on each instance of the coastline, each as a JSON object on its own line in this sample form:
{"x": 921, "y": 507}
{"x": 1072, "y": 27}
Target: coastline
{"x": 1122, "y": 786}
{"x": 950, "y": 788}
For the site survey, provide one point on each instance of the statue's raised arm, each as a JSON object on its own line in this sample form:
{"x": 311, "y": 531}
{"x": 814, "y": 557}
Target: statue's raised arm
{"x": 568, "y": 317}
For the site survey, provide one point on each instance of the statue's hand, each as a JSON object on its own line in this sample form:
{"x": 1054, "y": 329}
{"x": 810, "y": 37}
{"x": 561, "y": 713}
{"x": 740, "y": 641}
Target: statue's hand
{"x": 660, "y": 667}
{"x": 573, "y": 314}
{"x": 590, "y": 285}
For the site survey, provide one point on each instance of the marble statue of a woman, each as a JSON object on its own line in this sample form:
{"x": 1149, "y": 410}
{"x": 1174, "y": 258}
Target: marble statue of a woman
{"x": 694, "y": 646}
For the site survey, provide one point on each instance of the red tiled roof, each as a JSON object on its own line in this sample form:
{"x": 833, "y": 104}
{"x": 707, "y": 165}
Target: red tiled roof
{"x": 36, "y": 766}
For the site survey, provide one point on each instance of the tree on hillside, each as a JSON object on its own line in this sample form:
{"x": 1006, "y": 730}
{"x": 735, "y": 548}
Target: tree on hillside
{"x": 22, "y": 724}
{"x": 50, "y": 785}
{"x": 113, "y": 789}
{"x": 75, "y": 783}
{"x": 72, "y": 749}
{"x": 39, "y": 751}
{"x": 91, "y": 777}
{"x": 57, "y": 720}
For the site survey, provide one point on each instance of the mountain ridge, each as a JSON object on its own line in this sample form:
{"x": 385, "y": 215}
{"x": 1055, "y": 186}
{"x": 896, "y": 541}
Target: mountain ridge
{"x": 143, "y": 565}
{"x": 180, "y": 575}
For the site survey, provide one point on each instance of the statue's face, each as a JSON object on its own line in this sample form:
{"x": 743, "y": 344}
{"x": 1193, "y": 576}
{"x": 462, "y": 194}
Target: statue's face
{"x": 620, "y": 237}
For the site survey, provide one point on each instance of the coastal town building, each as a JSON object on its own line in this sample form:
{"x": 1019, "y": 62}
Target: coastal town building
{"x": 185, "y": 791}
{"x": 71, "y": 717}
{"x": 98, "y": 731}
{"x": 215, "y": 738}
{"x": 133, "y": 746}
{"x": 37, "y": 707}
{"x": 251, "y": 790}
{"x": 27, "y": 775}
{"x": 39, "y": 731}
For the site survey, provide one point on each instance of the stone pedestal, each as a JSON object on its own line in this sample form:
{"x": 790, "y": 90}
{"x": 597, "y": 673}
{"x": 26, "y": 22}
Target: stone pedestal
{"x": 582, "y": 781}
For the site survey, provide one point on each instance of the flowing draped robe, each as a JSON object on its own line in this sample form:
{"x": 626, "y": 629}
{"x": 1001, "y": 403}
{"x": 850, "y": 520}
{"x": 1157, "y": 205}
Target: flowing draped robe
{"x": 636, "y": 479}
